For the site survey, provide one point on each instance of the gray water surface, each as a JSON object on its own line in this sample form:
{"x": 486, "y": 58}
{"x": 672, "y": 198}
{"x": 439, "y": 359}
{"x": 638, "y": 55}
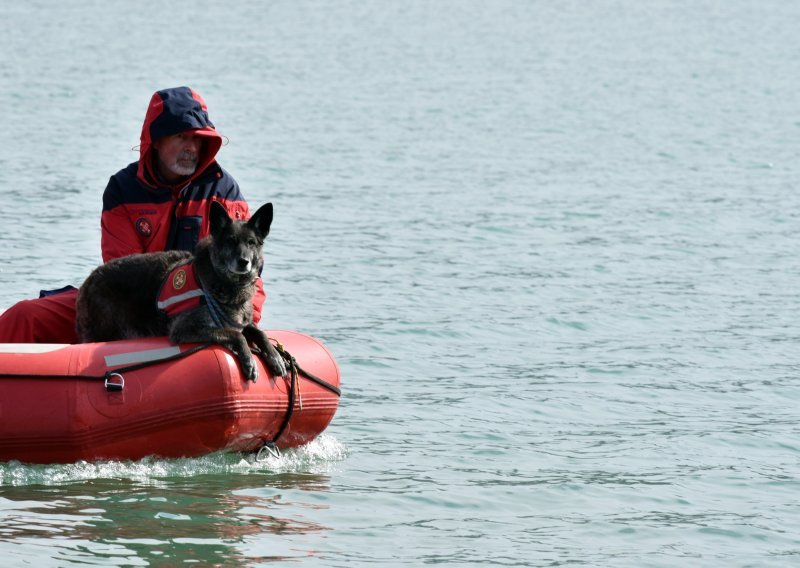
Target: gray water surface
{"x": 552, "y": 245}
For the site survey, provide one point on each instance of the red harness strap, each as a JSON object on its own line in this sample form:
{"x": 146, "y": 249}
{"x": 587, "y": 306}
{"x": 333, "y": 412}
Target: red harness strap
{"x": 180, "y": 291}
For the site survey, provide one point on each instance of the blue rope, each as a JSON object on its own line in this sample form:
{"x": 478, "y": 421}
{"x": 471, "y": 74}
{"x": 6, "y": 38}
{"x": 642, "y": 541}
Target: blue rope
{"x": 217, "y": 315}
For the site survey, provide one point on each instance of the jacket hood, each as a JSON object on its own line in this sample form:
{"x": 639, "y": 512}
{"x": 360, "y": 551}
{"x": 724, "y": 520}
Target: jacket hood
{"x": 171, "y": 111}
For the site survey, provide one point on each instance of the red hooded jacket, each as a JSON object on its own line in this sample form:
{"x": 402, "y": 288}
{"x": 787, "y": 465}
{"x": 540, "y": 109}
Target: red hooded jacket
{"x": 143, "y": 213}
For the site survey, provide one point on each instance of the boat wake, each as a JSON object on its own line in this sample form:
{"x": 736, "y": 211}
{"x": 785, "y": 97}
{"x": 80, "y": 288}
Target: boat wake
{"x": 317, "y": 457}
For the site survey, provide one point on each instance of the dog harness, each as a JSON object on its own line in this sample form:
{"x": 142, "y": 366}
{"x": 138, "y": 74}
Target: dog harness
{"x": 182, "y": 290}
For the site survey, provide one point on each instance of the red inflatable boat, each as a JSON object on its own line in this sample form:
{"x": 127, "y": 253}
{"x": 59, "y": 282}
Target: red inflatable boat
{"x": 136, "y": 398}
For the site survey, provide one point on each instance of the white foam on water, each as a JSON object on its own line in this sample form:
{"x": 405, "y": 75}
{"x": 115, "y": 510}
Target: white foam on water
{"x": 318, "y": 456}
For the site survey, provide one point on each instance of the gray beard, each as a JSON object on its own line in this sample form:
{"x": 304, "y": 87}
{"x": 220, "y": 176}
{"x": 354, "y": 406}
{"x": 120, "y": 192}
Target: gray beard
{"x": 182, "y": 170}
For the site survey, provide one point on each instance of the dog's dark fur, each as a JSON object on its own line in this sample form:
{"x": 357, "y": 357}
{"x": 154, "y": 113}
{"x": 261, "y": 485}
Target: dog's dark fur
{"x": 118, "y": 300}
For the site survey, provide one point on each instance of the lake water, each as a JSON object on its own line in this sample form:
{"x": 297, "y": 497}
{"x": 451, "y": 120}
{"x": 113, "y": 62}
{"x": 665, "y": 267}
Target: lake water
{"x": 553, "y": 245}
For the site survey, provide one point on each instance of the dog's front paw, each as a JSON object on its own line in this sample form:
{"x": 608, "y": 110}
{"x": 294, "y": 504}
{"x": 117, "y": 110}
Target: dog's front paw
{"x": 249, "y": 368}
{"x": 276, "y": 365}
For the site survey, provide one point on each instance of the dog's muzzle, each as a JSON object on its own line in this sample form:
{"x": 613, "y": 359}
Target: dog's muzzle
{"x": 241, "y": 266}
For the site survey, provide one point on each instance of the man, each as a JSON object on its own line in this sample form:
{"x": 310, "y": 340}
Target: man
{"x": 159, "y": 202}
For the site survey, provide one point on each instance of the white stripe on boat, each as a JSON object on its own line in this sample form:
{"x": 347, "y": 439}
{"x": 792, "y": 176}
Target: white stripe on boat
{"x": 31, "y": 347}
{"x": 141, "y": 356}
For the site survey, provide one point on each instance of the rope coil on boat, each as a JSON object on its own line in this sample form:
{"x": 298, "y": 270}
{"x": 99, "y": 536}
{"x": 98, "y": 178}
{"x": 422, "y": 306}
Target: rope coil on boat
{"x": 271, "y": 447}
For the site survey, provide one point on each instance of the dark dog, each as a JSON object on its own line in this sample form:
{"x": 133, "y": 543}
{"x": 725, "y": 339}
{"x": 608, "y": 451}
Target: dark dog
{"x": 193, "y": 299}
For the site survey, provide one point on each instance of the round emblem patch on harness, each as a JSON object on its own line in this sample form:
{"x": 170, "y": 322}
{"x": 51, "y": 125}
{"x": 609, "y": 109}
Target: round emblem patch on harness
{"x": 143, "y": 227}
{"x": 179, "y": 280}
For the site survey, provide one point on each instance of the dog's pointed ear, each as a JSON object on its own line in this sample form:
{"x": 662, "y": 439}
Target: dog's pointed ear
{"x": 218, "y": 218}
{"x": 261, "y": 220}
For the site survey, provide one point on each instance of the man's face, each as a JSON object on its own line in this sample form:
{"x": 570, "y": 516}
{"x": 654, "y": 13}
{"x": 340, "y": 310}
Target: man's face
{"x": 178, "y": 154}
